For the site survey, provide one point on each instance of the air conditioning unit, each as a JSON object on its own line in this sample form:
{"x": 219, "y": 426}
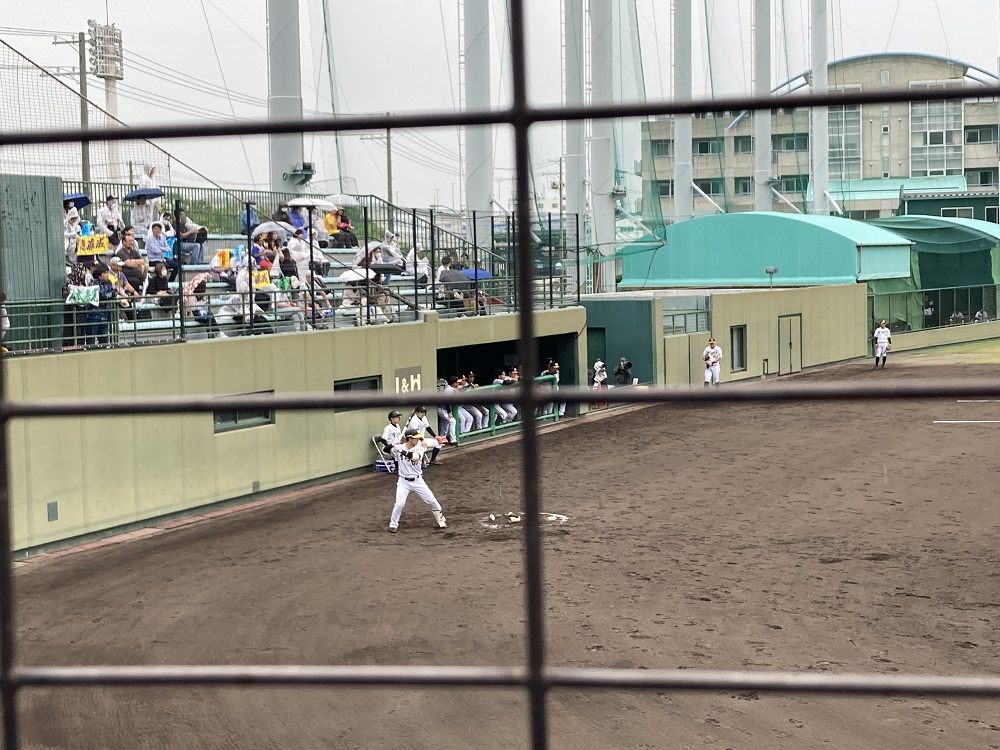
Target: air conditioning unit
{"x": 618, "y": 191}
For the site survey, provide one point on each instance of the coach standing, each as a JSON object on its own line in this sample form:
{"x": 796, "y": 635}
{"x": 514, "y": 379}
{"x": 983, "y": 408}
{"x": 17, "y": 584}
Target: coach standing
{"x": 409, "y": 457}
{"x": 712, "y": 356}
{"x": 883, "y": 342}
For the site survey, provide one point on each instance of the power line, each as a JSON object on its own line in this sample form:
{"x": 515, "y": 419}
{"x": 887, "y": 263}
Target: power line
{"x": 222, "y": 72}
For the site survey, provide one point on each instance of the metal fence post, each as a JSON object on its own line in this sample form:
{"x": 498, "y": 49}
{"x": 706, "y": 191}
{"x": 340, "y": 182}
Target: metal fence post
{"x": 432, "y": 273}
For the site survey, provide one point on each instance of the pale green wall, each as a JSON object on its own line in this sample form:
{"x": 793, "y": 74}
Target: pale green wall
{"x": 834, "y": 328}
{"x": 902, "y": 342}
{"x": 105, "y": 472}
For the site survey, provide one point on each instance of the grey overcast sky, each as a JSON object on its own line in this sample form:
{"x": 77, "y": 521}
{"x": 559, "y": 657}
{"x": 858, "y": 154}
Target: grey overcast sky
{"x": 395, "y": 55}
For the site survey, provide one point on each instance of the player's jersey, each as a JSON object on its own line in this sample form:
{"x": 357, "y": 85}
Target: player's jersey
{"x": 882, "y": 335}
{"x": 714, "y": 353}
{"x": 409, "y": 468}
{"x": 419, "y": 423}
{"x": 392, "y": 433}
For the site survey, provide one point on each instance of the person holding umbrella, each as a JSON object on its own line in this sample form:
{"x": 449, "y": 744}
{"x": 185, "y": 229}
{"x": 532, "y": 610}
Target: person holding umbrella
{"x": 109, "y": 221}
{"x": 142, "y": 216}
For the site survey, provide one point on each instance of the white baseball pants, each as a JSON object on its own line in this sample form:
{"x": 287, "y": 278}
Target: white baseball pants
{"x": 403, "y": 489}
{"x": 712, "y": 374}
{"x": 466, "y": 419}
{"x": 880, "y": 350}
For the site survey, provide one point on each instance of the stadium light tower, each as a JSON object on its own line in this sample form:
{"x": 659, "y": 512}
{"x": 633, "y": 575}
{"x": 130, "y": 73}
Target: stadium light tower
{"x": 107, "y": 64}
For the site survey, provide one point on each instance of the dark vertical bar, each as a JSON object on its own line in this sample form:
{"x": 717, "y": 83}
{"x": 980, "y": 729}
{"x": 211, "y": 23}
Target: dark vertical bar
{"x": 312, "y": 269}
{"x": 433, "y": 269}
{"x": 512, "y": 253}
{"x": 475, "y": 262}
{"x": 578, "y": 284}
{"x": 534, "y": 621}
{"x": 8, "y": 690}
{"x": 179, "y": 260}
{"x": 248, "y": 258}
{"x": 368, "y": 276}
{"x": 551, "y": 282}
{"x": 416, "y": 284}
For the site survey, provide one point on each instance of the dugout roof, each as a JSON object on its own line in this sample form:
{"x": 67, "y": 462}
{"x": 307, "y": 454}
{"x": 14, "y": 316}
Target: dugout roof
{"x": 733, "y": 250}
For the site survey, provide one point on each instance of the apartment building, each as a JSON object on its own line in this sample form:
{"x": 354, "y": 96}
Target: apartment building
{"x": 874, "y": 150}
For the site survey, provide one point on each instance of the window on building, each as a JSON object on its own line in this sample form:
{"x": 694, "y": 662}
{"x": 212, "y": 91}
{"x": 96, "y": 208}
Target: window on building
{"x": 738, "y": 348}
{"x": 981, "y": 134}
{"x": 863, "y": 214}
{"x": 743, "y": 144}
{"x": 704, "y": 146}
{"x": 790, "y": 142}
{"x": 662, "y": 147}
{"x": 241, "y": 419}
{"x": 964, "y": 212}
{"x": 665, "y": 188}
{"x": 744, "y": 186}
{"x": 981, "y": 177}
{"x": 796, "y": 183}
{"x": 369, "y": 385}
{"x": 844, "y": 124}
{"x": 993, "y": 214}
{"x": 713, "y": 186}
{"x": 936, "y": 133}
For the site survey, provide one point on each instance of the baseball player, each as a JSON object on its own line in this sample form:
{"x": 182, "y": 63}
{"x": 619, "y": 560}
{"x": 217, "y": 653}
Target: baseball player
{"x": 883, "y": 343}
{"x": 409, "y": 457}
{"x": 712, "y": 356}
{"x": 418, "y": 421}
{"x": 392, "y": 433}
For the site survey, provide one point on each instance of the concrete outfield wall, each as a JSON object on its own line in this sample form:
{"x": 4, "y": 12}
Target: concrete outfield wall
{"x": 833, "y": 329}
{"x": 902, "y": 342}
{"x": 77, "y": 476}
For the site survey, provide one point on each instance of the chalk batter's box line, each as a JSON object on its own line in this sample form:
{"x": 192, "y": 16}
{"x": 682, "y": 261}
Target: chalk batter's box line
{"x": 967, "y": 421}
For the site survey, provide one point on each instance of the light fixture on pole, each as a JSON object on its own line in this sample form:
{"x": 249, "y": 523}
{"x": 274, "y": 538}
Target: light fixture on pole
{"x": 770, "y": 271}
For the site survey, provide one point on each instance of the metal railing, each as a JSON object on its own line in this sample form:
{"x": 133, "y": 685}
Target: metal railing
{"x": 505, "y": 397}
{"x": 536, "y": 677}
{"x": 932, "y": 308}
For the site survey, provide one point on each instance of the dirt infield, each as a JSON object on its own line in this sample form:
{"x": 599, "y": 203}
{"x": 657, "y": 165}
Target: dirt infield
{"x": 828, "y": 537}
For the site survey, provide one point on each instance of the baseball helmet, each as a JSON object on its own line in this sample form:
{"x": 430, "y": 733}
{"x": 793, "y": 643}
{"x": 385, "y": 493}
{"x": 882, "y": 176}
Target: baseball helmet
{"x": 394, "y": 413}
{"x": 411, "y": 433}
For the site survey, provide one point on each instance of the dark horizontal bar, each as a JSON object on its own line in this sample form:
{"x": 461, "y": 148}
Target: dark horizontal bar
{"x": 736, "y": 392}
{"x": 276, "y": 675}
{"x": 509, "y": 116}
{"x": 552, "y": 677}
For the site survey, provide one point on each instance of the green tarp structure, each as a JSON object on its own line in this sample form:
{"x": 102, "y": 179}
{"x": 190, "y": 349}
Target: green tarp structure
{"x": 960, "y": 257}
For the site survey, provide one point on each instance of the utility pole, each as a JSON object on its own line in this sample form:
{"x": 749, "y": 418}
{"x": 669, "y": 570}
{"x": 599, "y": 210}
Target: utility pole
{"x": 388, "y": 164}
{"x": 81, "y": 46}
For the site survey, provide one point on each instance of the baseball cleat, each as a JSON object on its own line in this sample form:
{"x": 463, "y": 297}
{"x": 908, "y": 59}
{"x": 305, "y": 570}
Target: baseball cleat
{"x": 392, "y": 529}
{"x": 441, "y": 521}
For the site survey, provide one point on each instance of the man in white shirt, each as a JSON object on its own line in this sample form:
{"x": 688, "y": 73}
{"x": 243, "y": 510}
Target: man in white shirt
{"x": 409, "y": 457}
{"x": 712, "y": 356}
{"x": 883, "y": 342}
{"x": 418, "y": 421}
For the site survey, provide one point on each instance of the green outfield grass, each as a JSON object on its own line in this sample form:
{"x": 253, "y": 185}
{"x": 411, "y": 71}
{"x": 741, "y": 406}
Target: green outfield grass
{"x": 973, "y": 352}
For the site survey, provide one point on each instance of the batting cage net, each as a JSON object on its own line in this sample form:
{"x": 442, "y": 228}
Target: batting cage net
{"x": 535, "y": 676}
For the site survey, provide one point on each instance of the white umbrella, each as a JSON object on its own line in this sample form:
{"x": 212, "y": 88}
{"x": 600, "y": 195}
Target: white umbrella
{"x": 318, "y": 204}
{"x": 343, "y": 200}
{"x": 357, "y": 274}
{"x": 273, "y": 226}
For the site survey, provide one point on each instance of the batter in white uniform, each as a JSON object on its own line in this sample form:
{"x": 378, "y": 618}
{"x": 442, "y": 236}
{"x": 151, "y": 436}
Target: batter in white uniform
{"x": 409, "y": 457}
{"x": 712, "y": 356}
{"x": 883, "y": 340}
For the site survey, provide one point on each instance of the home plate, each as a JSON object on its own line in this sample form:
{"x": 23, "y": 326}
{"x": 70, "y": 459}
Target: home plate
{"x": 516, "y": 520}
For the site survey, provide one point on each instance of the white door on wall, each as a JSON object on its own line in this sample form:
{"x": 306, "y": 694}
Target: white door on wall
{"x": 789, "y": 344}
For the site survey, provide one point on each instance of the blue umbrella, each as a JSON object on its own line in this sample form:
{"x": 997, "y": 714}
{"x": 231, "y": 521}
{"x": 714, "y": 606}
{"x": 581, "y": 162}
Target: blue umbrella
{"x": 474, "y": 273}
{"x": 147, "y": 192}
{"x": 80, "y": 200}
